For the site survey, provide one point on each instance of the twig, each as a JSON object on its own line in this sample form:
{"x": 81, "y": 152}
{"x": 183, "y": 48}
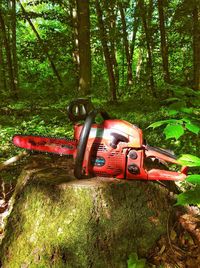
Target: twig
{"x": 168, "y": 234}
{"x": 13, "y": 160}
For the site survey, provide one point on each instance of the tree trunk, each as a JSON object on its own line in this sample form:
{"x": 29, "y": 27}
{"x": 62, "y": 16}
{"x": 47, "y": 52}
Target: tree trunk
{"x": 3, "y": 85}
{"x": 84, "y": 46}
{"x": 123, "y": 67}
{"x": 126, "y": 45}
{"x": 111, "y": 22}
{"x": 164, "y": 46}
{"x": 8, "y": 56}
{"x": 57, "y": 221}
{"x": 74, "y": 37}
{"x": 148, "y": 44}
{"x": 107, "y": 54}
{"x": 139, "y": 64}
{"x": 196, "y": 45}
{"x": 135, "y": 29}
{"x": 14, "y": 46}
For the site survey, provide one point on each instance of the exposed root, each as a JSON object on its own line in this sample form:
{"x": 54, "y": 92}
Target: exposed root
{"x": 13, "y": 160}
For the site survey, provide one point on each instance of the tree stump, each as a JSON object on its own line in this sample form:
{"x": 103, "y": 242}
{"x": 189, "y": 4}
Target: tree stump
{"x": 58, "y": 221}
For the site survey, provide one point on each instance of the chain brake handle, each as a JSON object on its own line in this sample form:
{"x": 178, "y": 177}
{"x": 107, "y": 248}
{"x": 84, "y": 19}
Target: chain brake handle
{"x": 79, "y": 109}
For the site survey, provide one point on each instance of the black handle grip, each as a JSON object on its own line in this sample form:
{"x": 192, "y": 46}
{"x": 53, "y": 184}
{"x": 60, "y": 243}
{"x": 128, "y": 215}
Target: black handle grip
{"x": 78, "y": 170}
{"x": 78, "y": 109}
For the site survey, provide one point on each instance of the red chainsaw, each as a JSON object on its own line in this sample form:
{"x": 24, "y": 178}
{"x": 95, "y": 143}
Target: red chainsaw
{"x": 113, "y": 148}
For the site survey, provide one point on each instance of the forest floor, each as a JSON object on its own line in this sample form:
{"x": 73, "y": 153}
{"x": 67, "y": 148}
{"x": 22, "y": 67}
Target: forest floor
{"x": 180, "y": 246}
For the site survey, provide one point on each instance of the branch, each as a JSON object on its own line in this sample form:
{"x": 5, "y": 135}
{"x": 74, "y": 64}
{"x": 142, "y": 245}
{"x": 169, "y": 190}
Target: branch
{"x": 13, "y": 160}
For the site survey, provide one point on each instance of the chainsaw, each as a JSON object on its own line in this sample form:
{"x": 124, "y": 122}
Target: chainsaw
{"x": 112, "y": 148}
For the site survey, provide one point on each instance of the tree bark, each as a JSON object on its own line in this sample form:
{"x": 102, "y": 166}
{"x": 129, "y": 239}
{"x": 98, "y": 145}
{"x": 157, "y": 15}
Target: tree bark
{"x": 3, "y": 84}
{"x": 74, "y": 38}
{"x": 107, "y": 55}
{"x": 126, "y": 45}
{"x": 138, "y": 66}
{"x": 135, "y": 29}
{"x": 111, "y": 18}
{"x": 8, "y": 56}
{"x": 148, "y": 44}
{"x": 196, "y": 45}
{"x": 14, "y": 45}
{"x": 84, "y": 46}
{"x": 57, "y": 221}
{"x": 164, "y": 46}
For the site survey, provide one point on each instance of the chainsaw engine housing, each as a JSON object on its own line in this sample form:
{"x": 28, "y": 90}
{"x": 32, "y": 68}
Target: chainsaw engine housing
{"x": 114, "y": 148}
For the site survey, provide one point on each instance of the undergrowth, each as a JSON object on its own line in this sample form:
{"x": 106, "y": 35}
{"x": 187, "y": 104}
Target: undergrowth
{"x": 49, "y": 117}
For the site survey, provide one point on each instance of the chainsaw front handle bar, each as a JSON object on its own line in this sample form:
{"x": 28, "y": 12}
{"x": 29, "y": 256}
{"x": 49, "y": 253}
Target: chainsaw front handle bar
{"x": 78, "y": 170}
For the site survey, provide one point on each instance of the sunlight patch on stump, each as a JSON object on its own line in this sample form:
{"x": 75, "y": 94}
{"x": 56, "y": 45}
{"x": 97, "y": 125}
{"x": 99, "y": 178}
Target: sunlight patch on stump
{"x": 58, "y": 221}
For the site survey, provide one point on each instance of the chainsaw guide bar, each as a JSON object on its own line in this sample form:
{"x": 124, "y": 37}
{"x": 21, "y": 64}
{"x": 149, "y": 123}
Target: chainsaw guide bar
{"x": 59, "y": 146}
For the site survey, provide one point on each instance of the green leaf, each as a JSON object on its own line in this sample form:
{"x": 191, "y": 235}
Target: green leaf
{"x": 192, "y": 127}
{"x": 173, "y": 112}
{"x": 162, "y": 122}
{"x": 141, "y": 263}
{"x": 189, "y": 160}
{"x": 187, "y": 110}
{"x": 186, "y": 120}
{"x": 134, "y": 262}
{"x": 173, "y": 131}
{"x": 171, "y": 99}
{"x": 157, "y": 124}
{"x": 191, "y": 197}
{"x": 195, "y": 178}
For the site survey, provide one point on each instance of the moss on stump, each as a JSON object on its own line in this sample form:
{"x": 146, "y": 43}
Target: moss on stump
{"x": 58, "y": 221}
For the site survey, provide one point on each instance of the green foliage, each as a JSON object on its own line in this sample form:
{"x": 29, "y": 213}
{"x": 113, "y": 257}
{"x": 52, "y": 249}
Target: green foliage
{"x": 191, "y": 197}
{"x": 163, "y": 122}
{"x": 195, "y": 178}
{"x": 189, "y": 160}
{"x": 182, "y": 121}
{"x": 134, "y": 262}
{"x": 176, "y": 127}
{"x": 53, "y": 21}
{"x": 173, "y": 131}
{"x": 192, "y": 127}
{"x": 184, "y": 124}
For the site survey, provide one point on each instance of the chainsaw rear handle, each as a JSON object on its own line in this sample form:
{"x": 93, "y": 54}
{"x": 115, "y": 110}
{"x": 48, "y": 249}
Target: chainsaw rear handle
{"x": 78, "y": 170}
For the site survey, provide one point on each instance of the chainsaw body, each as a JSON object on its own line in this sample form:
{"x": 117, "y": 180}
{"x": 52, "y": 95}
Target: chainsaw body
{"x": 108, "y": 148}
{"x": 114, "y": 148}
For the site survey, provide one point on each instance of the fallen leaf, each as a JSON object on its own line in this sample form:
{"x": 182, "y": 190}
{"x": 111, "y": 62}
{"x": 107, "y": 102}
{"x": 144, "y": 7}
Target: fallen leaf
{"x": 173, "y": 235}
